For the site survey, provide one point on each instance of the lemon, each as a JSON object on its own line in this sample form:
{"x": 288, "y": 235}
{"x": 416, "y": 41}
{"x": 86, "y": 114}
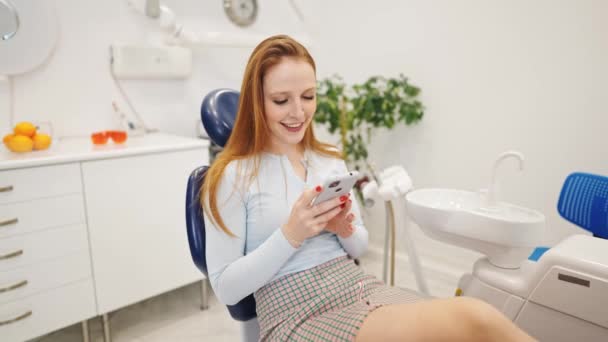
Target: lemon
{"x": 25, "y": 128}
{"x": 7, "y": 138}
{"x": 20, "y": 143}
{"x": 41, "y": 141}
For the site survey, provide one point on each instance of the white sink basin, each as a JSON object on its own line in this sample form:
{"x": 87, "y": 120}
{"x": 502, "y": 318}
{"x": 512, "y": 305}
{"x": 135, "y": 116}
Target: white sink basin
{"x": 506, "y": 233}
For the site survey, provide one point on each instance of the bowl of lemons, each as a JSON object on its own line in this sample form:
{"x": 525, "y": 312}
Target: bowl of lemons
{"x": 26, "y": 138}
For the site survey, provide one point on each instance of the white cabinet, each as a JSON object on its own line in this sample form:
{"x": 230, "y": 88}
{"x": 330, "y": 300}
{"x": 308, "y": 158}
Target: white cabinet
{"x": 45, "y": 271}
{"x": 25, "y": 184}
{"x": 137, "y": 225}
{"x": 87, "y": 230}
{"x": 47, "y": 311}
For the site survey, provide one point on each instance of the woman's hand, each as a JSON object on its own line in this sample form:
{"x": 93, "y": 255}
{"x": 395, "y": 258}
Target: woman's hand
{"x": 306, "y": 221}
{"x": 341, "y": 224}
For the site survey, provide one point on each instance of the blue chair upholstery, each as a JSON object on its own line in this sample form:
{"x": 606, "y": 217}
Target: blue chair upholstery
{"x": 194, "y": 219}
{"x": 218, "y": 112}
{"x": 584, "y": 202}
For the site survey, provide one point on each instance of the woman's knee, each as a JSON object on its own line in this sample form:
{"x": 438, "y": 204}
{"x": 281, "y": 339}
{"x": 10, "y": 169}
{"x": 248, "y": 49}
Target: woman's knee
{"x": 454, "y": 319}
{"x": 477, "y": 317}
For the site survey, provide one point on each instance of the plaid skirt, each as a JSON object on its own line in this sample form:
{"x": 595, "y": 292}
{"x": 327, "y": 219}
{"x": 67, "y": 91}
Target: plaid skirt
{"x": 325, "y": 303}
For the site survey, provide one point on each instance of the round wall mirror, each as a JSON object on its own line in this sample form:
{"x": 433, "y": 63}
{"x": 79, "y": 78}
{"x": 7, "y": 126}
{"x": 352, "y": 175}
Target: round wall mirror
{"x": 9, "y": 20}
{"x": 28, "y": 33}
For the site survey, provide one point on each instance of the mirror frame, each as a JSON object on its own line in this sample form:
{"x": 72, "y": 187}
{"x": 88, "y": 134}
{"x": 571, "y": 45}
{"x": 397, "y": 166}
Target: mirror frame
{"x": 11, "y": 8}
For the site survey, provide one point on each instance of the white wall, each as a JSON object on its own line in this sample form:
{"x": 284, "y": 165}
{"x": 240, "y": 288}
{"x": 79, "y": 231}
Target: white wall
{"x": 495, "y": 75}
{"x": 74, "y": 89}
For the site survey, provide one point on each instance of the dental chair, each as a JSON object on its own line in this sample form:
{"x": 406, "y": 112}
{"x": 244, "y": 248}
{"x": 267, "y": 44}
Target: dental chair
{"x": 554, "y": 294}
{"x": 218, "y": 112}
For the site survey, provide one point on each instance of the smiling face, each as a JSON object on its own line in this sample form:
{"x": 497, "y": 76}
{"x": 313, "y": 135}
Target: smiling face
{"x": 289, "y": 102}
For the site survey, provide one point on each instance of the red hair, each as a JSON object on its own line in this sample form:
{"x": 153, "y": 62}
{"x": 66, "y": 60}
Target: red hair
{"x": 249, "y": 135}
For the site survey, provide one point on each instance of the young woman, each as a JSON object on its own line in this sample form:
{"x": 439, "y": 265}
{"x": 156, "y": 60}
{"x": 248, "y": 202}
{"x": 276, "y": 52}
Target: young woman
{"x": 264, "y": 237}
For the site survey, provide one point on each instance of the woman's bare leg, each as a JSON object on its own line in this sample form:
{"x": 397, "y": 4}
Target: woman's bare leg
{"x": 453, "y": 319}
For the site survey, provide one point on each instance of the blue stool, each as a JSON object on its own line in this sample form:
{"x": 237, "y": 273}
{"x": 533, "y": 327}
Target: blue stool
{"x": 218, "y": 112}
{"x": 584, "y": 202}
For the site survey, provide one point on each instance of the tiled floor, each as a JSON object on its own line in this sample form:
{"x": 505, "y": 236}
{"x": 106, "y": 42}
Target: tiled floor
{"x": 173, "y": 316}
{"x": 176, "y": 316}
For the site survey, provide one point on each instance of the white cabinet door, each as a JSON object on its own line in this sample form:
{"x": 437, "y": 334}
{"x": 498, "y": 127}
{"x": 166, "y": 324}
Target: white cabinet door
{"x": 137, "y": 226}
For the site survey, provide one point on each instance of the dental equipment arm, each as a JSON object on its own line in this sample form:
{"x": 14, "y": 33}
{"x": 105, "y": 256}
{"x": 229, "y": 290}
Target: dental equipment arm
{"x": 395, "y": 183}
{"x": 180, "y": 35}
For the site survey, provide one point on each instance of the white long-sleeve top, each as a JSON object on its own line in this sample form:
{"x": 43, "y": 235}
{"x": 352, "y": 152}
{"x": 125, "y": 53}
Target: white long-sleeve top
{"x": 255, "y": 213}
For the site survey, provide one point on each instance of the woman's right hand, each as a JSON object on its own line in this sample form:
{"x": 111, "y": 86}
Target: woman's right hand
{"x": 306, "y": 221}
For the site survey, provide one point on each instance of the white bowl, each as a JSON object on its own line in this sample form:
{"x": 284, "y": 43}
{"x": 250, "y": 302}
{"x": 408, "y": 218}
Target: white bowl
{"x": 504, "y": 232}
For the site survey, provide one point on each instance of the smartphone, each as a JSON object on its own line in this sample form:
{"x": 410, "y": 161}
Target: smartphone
{"x": 336, "y": 186}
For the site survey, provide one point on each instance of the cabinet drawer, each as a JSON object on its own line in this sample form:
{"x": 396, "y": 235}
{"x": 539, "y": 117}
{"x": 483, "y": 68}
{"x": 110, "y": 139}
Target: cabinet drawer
{"x": 48, "y": 311}
{"x": 25, "y": 217}
{"x": 33, "y": 279}
{"x": 38, "y": 182}
{"x": 23, "y": 250}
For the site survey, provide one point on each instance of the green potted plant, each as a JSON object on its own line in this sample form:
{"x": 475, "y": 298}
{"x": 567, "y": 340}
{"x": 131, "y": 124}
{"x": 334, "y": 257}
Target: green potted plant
{"x": 356, "y": 111}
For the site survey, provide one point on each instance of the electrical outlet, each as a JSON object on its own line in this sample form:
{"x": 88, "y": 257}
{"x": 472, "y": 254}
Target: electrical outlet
{"x": 150, "y": 62}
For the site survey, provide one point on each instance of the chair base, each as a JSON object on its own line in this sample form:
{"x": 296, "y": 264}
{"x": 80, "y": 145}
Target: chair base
{"x": 250, "y": 330}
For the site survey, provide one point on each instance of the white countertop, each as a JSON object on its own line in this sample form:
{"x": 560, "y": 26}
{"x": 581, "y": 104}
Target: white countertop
{"x": 80, "y": 149}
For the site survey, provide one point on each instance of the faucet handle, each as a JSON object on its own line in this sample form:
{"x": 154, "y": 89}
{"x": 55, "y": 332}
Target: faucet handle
{"x": 491, "y": 194}
{"x": 511, "y": 153}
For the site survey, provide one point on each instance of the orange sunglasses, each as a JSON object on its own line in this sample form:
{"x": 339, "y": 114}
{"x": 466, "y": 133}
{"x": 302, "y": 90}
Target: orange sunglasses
{"x": 101, "y": 138}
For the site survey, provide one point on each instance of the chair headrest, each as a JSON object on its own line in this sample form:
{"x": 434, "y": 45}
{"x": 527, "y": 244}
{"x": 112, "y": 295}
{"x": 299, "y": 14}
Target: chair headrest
{"x": 584, "y": 202}
{"x": 218, "y": 113}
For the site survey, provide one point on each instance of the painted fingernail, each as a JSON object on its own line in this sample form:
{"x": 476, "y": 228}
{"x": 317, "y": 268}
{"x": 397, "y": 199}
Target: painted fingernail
{"x": 342, "y": 198}
{"x": 318, "y": 188}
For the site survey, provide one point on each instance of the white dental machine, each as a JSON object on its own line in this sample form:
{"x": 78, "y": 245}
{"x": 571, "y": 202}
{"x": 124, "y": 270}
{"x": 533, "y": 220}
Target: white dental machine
{"x": 554, "y": 294}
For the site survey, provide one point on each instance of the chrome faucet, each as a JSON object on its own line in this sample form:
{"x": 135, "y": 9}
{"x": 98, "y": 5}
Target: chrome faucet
{"x": 491, "y": 199}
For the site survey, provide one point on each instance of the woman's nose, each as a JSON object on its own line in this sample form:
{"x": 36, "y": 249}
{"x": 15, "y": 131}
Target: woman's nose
{"x": 297, "y": 110}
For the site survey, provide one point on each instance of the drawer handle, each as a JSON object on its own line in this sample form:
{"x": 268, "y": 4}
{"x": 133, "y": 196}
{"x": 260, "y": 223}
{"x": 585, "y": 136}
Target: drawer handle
{"x": 9, "y": 222}
{"x": 11, "y": 255}
{"x": 16, "y": 319}
{"x": 6, "y": 188}
{"x": 14, "y": 286}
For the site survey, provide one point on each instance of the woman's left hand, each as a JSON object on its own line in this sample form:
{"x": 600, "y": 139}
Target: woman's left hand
{"x": 341, "y": 224}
